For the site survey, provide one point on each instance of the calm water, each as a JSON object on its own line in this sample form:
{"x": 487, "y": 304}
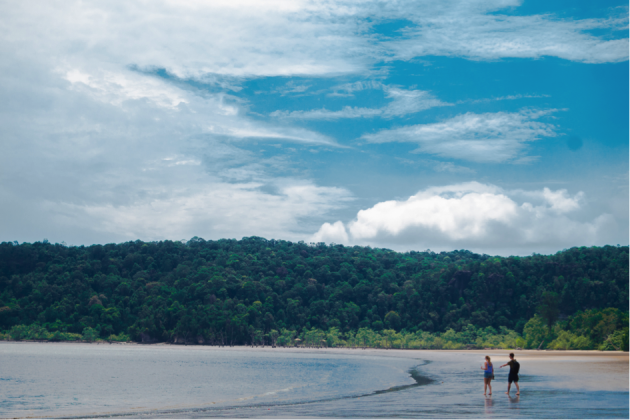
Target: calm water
{"x": 61, "y": 380}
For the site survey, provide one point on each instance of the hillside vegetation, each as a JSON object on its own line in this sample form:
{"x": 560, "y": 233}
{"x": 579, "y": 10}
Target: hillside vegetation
{"x": 255, "y": 290}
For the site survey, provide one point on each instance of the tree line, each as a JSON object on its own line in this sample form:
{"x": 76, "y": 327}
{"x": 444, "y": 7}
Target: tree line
{"x": 256, "y": 291}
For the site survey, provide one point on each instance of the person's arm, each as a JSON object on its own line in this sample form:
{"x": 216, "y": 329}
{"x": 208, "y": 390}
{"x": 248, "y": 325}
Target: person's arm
{"x": 485, "y": 365}
{"x": 503, "y": 365}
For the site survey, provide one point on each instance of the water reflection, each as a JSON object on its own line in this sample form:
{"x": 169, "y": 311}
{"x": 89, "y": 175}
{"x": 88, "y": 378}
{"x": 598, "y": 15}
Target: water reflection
{"x": 514, "y": 402}
{"x": 488, "y": 405}
{"x": 49, "y": 379}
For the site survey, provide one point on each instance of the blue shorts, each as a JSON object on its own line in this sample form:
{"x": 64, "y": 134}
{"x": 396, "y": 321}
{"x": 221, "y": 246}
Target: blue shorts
{"x": 487, "y": 375}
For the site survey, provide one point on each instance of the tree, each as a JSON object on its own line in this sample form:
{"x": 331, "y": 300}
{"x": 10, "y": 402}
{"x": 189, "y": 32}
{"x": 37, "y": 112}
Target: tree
{"x": 625, "y": 340}
{"x": 392, "y": 320}
{"x": 534, "y": 332}
{"x": 212, "y": 291}
{"x": 252, "y": 333}
{"x": 548, "y": 308}
{"x": 90, "y": 334}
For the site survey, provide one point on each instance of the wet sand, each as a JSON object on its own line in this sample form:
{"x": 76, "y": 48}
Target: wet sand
{"x": 177, "y": 381}
{"x": 574, "y": 369}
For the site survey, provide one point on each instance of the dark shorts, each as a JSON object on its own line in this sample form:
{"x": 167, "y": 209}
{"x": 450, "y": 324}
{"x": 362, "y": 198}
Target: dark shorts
{"x": 512, "y": 378}
{"x": 488, "y": 375}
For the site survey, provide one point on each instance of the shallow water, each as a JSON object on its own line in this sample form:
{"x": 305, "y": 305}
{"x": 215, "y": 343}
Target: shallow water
{"x": 79, "y": 380}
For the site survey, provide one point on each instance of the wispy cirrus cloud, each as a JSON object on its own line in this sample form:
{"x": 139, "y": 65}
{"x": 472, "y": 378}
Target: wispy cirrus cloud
{"x": 504, "y": 98}
{"x": 438, "y": 166}
{"x": 452, "y": 168}
{"x": 488, "y": 137}
{"x": 402, "y": 102}
{"x": 348, "y": 89}
{"x": 475, "y": 34}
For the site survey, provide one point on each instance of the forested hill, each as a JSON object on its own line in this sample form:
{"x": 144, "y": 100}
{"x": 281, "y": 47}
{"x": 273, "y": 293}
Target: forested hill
{"x": 226, "y": 289}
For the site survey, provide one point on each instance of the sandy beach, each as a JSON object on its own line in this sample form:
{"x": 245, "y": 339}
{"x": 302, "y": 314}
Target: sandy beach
{"x": 165, "y": 380}
{"x": 575, "y": 369}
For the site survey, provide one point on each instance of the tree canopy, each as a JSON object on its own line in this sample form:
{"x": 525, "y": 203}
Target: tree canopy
{"x": 236, "y": 292}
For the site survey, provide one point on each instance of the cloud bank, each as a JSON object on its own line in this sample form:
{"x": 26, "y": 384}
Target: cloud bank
{"x": 475, "y": 216}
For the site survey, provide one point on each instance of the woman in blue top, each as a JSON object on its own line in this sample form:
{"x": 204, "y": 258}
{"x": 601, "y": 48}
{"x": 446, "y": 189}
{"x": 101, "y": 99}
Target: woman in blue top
{"x": 488, "y": 375}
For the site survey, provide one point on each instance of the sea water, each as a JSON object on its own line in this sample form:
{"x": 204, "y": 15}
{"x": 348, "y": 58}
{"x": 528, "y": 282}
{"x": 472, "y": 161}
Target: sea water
{"x": 90, "y": 380}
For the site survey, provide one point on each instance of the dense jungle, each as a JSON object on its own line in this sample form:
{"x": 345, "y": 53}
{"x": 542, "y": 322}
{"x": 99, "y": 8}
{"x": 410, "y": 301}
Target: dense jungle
{"x": 272, "y": 292}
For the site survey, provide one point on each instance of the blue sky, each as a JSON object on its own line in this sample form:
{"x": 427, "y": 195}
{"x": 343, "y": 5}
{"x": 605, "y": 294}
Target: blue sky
{"x": 498, "y": 126}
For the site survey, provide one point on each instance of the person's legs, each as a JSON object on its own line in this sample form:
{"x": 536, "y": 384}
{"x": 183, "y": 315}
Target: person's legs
{"x": 509, "y": 385}
{"x": 518, "y": 390}
{"x": 486, "y": 381}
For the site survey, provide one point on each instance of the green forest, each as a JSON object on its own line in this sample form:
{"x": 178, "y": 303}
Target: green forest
{"x": 273, "y": 292}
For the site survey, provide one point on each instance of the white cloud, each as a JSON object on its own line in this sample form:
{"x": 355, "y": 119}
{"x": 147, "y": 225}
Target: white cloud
{"x": 335, "y": 233}
{"x": 215, "y": 210}
{"x": 254, "y": 38}
{"x": 115, "y": 88}
{"x": 90, "y": 171}
{"x": 348, "y": 89}
{"x": 558, "y": 201}
{"x": 218, "y": 114}
{"x": 402, "y": 102}
{"x": 452, "y": 168}
{"x": 504, "y": 98}
{"x": 409, "y": 101}
{"x": 113, "y": 155}
{"x": 489, "y": 137}
{"x": 438, "y": 166}
{"x": 261, "y": 131}
{"x": 190, "y": 39}
{"x": 474, "y": 216}
{"x": 96, "y": 147}
{"x": 472, "y": 33}
{"x": 291, "y": 87}
{"x": 324, "y": 114}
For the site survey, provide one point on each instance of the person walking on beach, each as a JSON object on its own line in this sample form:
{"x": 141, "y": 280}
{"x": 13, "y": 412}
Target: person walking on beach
{"x": 488, "y": 375}
{"x": 513, "y": 375}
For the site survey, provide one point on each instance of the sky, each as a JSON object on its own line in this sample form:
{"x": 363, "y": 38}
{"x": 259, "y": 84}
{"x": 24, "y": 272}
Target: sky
{"x": 497, "y": 126}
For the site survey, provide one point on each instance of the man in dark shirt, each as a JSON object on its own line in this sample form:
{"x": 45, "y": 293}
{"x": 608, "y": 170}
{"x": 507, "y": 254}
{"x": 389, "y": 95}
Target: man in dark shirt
{"x": 513, "y": 375}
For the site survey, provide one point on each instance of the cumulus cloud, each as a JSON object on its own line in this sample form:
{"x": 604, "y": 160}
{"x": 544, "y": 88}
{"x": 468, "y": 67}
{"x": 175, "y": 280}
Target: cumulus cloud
{"x": 402, "y": 102}
{"x": 489, "y": 137}
{"x": 475, "y": 216}
{"x": 333, "y": 233}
